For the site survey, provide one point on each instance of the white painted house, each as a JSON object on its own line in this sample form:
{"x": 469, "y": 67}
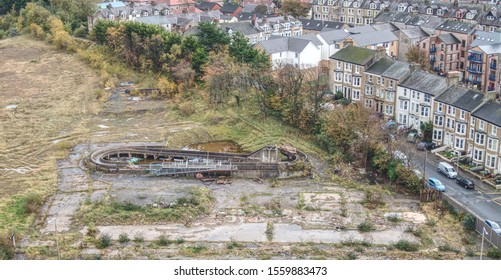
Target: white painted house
{"x": 300, "y": 52}
{"x": 415, "y": 97}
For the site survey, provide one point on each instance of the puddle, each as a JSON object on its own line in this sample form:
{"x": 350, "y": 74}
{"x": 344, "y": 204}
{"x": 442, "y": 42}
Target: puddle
{"x": 216, "y": 146}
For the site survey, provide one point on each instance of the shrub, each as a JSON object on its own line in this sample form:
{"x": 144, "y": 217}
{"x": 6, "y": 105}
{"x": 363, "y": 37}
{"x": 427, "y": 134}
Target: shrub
{"x": 404, "y": 245}
{"x": 448, "y": 248}
{"x": 365, "y": 226}
{"x": 186, "y": 109}
{"x": 92, "y": 231}
{"x": 234, "y": 244}
{"x": 494, "y": 253}
{"x": 138, "y": 238}
{"x": 30, "y": 204}
{"x": 270, "y": 228}
{"x": 6, "y": 249}
{"x": 104, "y": 241}
{"x": 80, "y": 32}
{"x": 469, "y": 222}
{"x": 123, "y": 238}
{"x": 394, "y": 218}
{"x": 163, "y": 241}
{"x": 37, "y": 31}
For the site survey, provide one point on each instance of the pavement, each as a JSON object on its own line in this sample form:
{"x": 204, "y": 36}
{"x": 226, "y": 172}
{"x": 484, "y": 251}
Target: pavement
{"x": 484, "y": 200}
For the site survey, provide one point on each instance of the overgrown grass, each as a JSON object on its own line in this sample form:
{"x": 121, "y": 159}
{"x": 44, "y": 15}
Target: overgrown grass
{"x": 104, "y": 241}
{"x": 123, "y": 238}
{"x": 405, "y": 245}
{"x": 365, "y": 226}
{"x": 270, "y": 231}
{"x": 163, "y": 241}
{"x": 186, "y": 210}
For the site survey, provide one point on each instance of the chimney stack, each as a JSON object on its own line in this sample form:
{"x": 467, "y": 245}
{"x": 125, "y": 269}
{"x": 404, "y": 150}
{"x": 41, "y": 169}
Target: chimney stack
{"x": 265, "y": 19}
{"x": 453, "y": 78}
{"x": 254, "y": 20}
{"x": 413, "y": 67}
{"x": 380, "y": 52}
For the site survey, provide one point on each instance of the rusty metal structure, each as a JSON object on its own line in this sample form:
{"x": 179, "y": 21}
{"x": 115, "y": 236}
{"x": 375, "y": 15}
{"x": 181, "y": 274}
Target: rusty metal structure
{"x": 267, "y": 162}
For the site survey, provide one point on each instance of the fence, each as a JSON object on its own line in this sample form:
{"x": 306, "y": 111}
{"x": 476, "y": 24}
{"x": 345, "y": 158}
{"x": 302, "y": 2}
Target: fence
{"x": 491, "y": 236}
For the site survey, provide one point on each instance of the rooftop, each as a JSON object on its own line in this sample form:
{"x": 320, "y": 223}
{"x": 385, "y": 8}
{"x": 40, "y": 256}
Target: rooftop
{"x": 456, "y": 26}
{"x": 461, "y": 97}
{"x": 489, "y": 112}
{"x": 373, "y": 38}
{"x": 425, "y": 82}
{"x": 355, "y": 55}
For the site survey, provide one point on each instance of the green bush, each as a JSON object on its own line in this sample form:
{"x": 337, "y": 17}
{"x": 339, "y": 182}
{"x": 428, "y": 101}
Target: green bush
{"x": 365, "y": 226}
{"x": 104, "y": 241}
{"x": 469, "y": 222}
{"x": 494, "y": 253}
{"x": 80, "y": 32}
{"x": 30, "y": 204}
{"x": 404, "y": 245}
{"x": 163, "y": 241}
{"x": 123, "y": 238}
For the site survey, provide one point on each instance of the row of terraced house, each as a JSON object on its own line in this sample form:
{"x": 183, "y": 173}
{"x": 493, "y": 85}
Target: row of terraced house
{"x": 464, "y": 119}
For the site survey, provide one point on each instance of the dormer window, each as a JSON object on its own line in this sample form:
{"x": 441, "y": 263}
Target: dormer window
{"x": 111, "y": 17}
{"x": 490, "y": 17}
{"x": 320, "y": 2}
{"x": 346, "y": 4}
{"x": 382, "y": 6}
{"x": 411, "y": 9}
{"x": 331, "y": 2}
{"x": 401, "y": 8}
{"x": 469, "y": 15}
{"x": 355, "y": 4}
{"x": 156, "y": 13}
{"x": 440, "y": 12}
{"x": 122, "y": 14}
{"x": 276, "y": 26}
{"x": 429, "y": 11}
{"x": 459, "y": 15}
{"x": 373, "y": 6}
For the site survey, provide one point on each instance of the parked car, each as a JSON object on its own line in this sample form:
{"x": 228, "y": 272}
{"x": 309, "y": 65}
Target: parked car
{"x": 447, "y": 170}
{"x": 423, "y": 145}
{"x": 412, "y": 137}
{"x": 495, "y": 227}
{"x": 435, "y": 184}
{"x": 466, "y": 183}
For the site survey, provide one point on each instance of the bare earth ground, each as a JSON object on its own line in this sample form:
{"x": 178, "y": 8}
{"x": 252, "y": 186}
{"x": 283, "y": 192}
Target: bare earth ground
{"x": 59, "y": 118}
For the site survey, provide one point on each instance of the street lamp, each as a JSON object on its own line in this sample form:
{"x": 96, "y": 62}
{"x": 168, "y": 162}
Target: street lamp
{"x": 57, "y": 237}
{"x": 484, "y": 232}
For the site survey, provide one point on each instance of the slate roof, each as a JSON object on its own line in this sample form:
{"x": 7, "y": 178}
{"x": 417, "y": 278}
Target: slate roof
{"x": 361, "y": 29}
{"x": 310, "y": 37}
{"x": 355, "y": 55}
{"x": 485, "y": 38}
{"x": 489, "y": 112}
{"x": 244, "y": 16}
{"x": 373, "y": 38}
{"x": 389, "y": 68}
{"x": 425, "y": 82}
{"x": 229, "y": 8}
{"x": 449, "y": 39}
{"x": 333, "y": 36}
{"x": 456, "y": 26}
{"x": 245, "y": 28}
{"x": 282, "y": 44}
{"x": 414, "y": 32}
{"x": 379, "y": 67}
{"x": 461, "y": 97}
{"x": 206, "y": 6}
{"x": 318, "y": 25}
{"x": 491, "y": 49}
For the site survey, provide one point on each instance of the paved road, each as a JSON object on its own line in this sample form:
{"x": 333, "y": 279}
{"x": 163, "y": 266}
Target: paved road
{"x": 483, "y": 200}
